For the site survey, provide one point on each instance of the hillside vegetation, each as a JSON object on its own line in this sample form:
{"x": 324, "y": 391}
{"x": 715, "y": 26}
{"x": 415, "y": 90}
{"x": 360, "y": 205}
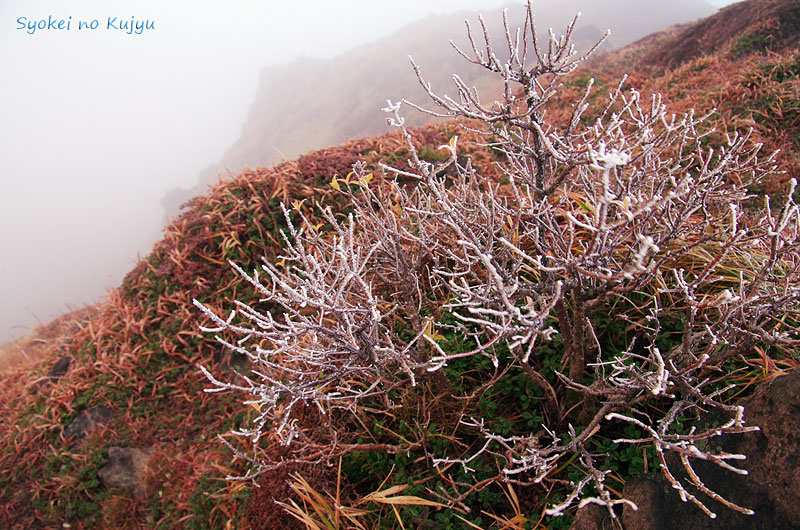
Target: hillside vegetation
{"x": 138, "y": 355}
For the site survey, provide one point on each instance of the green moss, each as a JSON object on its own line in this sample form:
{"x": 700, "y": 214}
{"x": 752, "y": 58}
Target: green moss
{"x": 205, "y": 498}
{"x": 431, "y": 154}
{"x": 753, "y": 41}
{"x": 83, "y": 501}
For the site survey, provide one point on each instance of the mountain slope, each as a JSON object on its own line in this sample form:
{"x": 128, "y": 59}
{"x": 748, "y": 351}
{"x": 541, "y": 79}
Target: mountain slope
{"x": 138, "y": 356}
{"x": 312, "y": 103}
{"x": 742, "y": 62}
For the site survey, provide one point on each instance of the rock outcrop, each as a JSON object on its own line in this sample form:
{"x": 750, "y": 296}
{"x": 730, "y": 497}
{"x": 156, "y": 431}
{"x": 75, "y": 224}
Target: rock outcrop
{"x": 86, "y": 422}
{"x": 770, "y": 488}
{"x": 125, "y": 469}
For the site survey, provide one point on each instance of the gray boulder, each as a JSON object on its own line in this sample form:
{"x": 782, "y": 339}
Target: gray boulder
{"x": 86, "y": 422}
{"x": 770, "y": 488}
{"x": 125, "y": 469}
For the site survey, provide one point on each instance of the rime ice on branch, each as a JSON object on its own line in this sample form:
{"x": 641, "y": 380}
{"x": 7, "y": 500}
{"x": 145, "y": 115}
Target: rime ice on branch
{"x": 622, "y": 214}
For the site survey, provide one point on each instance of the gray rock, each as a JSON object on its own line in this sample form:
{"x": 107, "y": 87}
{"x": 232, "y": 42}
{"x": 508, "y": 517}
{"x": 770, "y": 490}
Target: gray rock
{"x": 660, "y": 508}
{"x": 60, "y": 368}
{"x": 234, "y": 364}
{"x": 770, "y": 488}
{"x": 592, "y": 517}
{"x": 86, "y": 422}
{"x": 125, "y": 469}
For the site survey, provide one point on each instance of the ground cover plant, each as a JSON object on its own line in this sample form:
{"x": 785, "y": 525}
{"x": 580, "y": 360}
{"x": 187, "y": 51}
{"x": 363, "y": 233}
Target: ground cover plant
{"x": 138, "y": 352}
{"x": 549, "y": 327}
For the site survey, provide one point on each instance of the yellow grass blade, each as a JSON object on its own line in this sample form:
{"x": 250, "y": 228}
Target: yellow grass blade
{"x": 388, "y": 496}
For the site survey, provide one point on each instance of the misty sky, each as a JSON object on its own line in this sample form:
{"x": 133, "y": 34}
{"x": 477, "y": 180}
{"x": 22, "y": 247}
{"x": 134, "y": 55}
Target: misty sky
{"x": 98, "y": 124}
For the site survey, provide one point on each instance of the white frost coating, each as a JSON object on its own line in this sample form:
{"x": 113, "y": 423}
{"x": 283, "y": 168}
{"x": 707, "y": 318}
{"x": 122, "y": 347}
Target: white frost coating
{"x": 606, "y": 160}
{"x": 360, "y": 310}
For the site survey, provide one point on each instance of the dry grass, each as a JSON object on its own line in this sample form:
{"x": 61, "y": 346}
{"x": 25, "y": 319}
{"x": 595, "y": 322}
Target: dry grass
{"x": 138, "y": 351}
{"x": 45, "y": 341}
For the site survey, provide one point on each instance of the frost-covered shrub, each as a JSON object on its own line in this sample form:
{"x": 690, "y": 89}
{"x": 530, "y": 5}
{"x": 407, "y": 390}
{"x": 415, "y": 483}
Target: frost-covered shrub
{"x": 621, "y": 218}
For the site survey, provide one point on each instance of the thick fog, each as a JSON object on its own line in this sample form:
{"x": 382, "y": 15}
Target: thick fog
{"x": 98, "y": 123}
